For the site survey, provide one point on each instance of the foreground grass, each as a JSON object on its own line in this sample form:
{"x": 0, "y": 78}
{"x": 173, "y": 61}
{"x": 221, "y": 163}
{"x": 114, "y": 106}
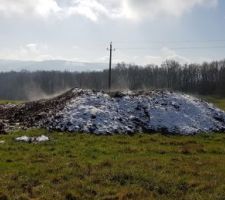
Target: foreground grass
{"x": 75, "y": 166}
{"x": 219, "y": 102}
{"x": 10, "y": 102}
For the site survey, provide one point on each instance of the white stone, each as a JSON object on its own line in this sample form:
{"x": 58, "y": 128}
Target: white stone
{"x": 23, "y": 139}
{"x": 42, "y": 138}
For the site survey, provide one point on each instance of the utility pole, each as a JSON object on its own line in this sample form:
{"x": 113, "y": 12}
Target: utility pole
{"x": 110, "y": 66}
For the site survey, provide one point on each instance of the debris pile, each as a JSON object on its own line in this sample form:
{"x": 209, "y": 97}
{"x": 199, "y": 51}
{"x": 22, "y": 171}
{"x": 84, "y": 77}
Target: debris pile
{"x": 2, "y": 128}
{"x": 122, "y": 113}
{"x": 32, "y": 114}
{"x": 156, "y": 111}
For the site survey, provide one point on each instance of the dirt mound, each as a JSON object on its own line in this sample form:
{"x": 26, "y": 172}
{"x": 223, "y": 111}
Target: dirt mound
{"x": 117, "y": 112}
{"x": 32, "y": 114}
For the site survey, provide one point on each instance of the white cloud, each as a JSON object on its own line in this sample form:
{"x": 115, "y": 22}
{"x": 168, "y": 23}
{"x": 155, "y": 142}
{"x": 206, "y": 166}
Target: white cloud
{"x": 155, "y": 8}
{"x": 96, "y": 9}
{"x": 34, "y": 52}
{"x": 165, "y": 54}
{"x": 32, "y": 47}
{"x": 31, "y": 51}
{"x": 42, "y": 8}
{"x": 75, "y": 47}
{"x": 103, "y": 59}
{"x": 91, "y": 9}
{"x": 46, "y": 7}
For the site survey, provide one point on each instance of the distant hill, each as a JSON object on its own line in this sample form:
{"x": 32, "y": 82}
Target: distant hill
{"x": 49, "y": 65}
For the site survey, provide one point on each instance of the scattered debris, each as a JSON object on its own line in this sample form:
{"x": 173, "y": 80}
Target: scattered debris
{"x": 116, "y": 112}
{"x": 27, "y": 139}
{"x": 42, "y": 138}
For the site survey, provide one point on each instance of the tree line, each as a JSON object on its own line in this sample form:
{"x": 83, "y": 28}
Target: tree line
{"x": 201, "y": 79}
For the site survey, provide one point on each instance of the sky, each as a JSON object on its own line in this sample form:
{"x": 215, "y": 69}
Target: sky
{"x": 142, "y": 31}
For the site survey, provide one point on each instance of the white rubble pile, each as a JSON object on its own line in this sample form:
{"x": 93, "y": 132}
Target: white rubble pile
{"x": 27, "y": 139}
{"x": 165, "y": 111}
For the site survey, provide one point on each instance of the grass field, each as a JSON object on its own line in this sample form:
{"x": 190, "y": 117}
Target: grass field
{"x": 219, "y": 102}
{"x": 75, "y": 166}
{"x": 118, "y": 167}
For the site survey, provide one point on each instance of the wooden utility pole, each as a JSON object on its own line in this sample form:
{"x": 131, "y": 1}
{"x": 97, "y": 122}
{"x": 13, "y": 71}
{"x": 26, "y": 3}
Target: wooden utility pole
{"x": 110, "y": 66}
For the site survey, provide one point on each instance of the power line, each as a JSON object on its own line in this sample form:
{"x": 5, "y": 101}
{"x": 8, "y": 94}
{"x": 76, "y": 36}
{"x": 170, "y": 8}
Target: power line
{"x": 173, "y": 48}
{"x": 161, "y": 47}
{"x": 171, "y": 41}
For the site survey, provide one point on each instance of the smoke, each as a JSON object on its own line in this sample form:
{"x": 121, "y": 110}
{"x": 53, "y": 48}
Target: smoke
{"x": 34, "y": 92}
{"x": 120, "y": 84}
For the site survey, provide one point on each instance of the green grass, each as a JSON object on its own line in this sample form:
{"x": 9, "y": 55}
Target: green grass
{"x": 10, "y": 102}
{"x": 219, "y": 102}
{"x": 75, "y": 166}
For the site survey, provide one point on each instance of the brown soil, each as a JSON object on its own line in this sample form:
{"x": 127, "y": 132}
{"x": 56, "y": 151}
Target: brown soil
{"x": 31, "y": 114}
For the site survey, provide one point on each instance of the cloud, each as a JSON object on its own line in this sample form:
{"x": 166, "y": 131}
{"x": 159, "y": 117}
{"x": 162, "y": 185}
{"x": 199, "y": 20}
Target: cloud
{"x": 103, "y": 59}
{"x": 165, "y": 54}
{"x": 42, "y": 8}
{"x": 155, "y": 8}
{"x": 31, "y": 51}
{"x": 89, "y": 8}
{"x": 34, "y": 52}
{"x": 96, "y": 9}
{"x": 32, "y": 47}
